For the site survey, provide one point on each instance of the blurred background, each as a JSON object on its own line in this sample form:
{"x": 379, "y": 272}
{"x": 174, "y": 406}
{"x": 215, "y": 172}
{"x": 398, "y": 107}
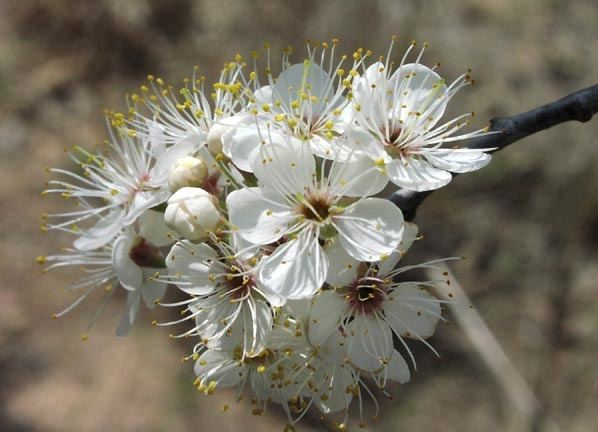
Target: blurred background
{"x": 528, "y": 223}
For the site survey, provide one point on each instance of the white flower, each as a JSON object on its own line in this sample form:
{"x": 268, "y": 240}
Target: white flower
{"x": 363, "y": 315}
{"x": 173, "y": 119}
{"x": 193, "y": 213}
{"x": 296, "y": 204}
{"x": 306, "y": 103}
{"x": 397, "y": 114}
{"x": 229, "y": 305}
{"x": 187, "y": 172}
{"x": 115, "y": 187}
{"x": 275, "y": 375}
{"x": 130, "y": 261}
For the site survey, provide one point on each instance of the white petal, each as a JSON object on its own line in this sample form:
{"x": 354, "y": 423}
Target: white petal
{"x": 258, "y": 215}
{"x": 189, "y": 269}
{"x": 334, "y": 349}
{"x": 339, "y": 149}
{"x": 151, "y": 290}
{"x": 157, "y": 137}
{"x": 142, "y": 202}
{"x": 334, "y": 383}
{"x": 365, "y": 143}
{"x": 297, "y": 269}
{"x": 409, "y": 235}
{"x": 219, "y": 366}
{"x": 242, "y": 145}
{"x": 370, "y": 229}
{"x": 412, "y": 311}
{"x": 458, "y": 160}
{"x": 128, "y": 273}
{"x": 244, "y": 250}
{"x": 417, "y": 174}
{"x": 101, "y": 233}
{"x": 303, "y": 77}
{"x": 422, "y": 90}
{"x": 274, "y": 298}
{"x": 373, "y": 81}
{"x": 221, "y": 133}
{"x": 397, "y": 370}
{"x": 370, "y": 342}
{"x": 343, "y": 267}
{"x": 263, "y": 95}
{"x": 370, "y": 91}
{"x": 299, "y": 309}
{"x": 285, "y": 164}
{"x": 260, "y": 319}
{"x": 250, "y": 330}
{"x": 324, "y": 315}
{"x": 153, "y": 228}
{"x": 358, "y": 179}
{"x": 131, "y": 309}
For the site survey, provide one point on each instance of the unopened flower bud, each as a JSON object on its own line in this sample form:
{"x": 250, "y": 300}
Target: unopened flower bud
{"x": 193, "y": 213}
{"x": 187, "y": 172}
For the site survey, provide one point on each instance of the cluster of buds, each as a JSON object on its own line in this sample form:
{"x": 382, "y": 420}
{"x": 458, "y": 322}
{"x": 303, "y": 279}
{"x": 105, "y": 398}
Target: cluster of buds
{"x": 262, "y": 200}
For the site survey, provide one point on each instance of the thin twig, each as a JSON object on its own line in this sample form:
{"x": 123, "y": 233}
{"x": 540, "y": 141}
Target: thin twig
{"x": 579, "y": 106}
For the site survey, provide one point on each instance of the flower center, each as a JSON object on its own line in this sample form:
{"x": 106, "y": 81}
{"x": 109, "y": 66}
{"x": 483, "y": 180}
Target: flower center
{"x": 145, "y": 254}
{"x": 315, "y": 206}
{"x": 265, "y": 357}
{"x": 238, "y": 283}
{"x": 367, "y": 294}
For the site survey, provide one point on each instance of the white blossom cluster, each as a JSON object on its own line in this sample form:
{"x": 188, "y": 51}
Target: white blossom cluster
{"x": 261, "y": 199}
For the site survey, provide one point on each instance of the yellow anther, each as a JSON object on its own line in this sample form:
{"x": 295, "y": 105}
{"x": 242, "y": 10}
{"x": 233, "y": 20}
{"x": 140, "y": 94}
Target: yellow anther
{"x": 211, "y": 387}
{"x": 41, "y": 259}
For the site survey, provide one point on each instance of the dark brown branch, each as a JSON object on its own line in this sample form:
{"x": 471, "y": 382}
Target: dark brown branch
{"x": 579, "y": 106}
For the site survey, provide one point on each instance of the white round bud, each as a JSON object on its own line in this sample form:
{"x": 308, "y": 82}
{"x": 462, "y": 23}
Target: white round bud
{"x": 187, "y": 172}
{"x": 193, "y": 213}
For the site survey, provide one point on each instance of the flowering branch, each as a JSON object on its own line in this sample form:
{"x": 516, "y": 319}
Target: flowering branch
{"x": 579, "y": 106}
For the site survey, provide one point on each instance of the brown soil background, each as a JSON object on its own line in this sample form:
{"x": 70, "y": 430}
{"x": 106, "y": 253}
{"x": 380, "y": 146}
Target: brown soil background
{"x": 528, "y": 223}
